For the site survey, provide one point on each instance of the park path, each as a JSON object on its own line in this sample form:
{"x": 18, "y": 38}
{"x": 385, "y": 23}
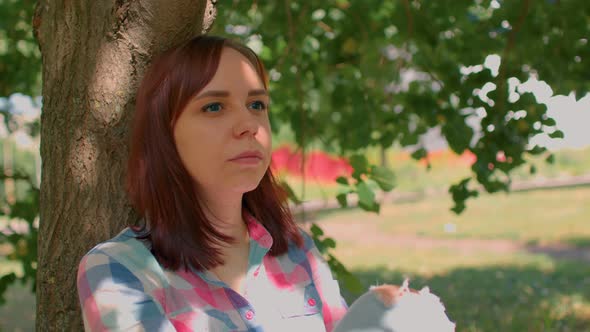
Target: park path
{"x": 349, "y": 231}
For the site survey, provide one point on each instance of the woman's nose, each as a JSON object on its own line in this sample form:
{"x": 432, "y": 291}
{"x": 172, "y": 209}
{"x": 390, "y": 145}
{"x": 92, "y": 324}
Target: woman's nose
{"x": 246, "y": 124}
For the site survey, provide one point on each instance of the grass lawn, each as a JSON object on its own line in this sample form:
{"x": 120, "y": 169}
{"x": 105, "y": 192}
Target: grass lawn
{"x": 495, "y": 286}
{"x": 542, "y": 216}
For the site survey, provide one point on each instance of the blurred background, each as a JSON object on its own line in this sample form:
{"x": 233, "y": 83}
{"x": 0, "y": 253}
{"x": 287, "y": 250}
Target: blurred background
{"x": 445, "y": 141}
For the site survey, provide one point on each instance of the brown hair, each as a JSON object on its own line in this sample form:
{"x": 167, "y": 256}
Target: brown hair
{"x": 158, "y": 184}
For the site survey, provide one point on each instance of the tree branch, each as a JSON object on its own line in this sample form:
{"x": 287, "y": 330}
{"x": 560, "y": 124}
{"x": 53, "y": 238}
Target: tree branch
{"x": 410, "y": 21}
{"x": 505, "y": 54}
{"x": 299, "y": 89}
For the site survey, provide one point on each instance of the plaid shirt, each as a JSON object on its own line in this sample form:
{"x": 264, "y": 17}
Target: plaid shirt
{"x": 122, "y": 287}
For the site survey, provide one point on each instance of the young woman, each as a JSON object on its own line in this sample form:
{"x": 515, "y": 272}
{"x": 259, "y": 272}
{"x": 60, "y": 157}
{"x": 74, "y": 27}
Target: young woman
{"x": 217, "y": 248}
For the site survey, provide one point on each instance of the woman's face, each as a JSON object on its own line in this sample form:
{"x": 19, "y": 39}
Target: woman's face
{"x": 223, "y": 134}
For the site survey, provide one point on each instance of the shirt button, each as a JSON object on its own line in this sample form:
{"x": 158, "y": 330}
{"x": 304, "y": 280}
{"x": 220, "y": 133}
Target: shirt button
{"x": 311, "y": 302}
{"x": 249, "y": 315}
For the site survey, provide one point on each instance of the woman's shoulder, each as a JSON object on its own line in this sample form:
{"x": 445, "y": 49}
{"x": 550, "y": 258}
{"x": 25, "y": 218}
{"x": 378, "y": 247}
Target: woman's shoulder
{"x": 125, "y": 249}
{"x": 308, "y": 243}
{"x": 300, "y": 255}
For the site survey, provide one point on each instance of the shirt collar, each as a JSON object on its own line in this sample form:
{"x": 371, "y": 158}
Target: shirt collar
{"x": 260, "y": 243}
{"x": 258, "y": 233}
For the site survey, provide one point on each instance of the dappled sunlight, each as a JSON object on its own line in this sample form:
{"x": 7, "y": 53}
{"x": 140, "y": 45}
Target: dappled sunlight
{"x": 110, "y": 85}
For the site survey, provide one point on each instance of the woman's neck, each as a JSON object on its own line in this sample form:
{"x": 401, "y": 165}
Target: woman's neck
{"x": 225, "y": 212}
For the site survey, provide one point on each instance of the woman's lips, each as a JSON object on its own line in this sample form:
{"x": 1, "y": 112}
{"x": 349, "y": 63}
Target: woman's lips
{"x": 247, "y": 160}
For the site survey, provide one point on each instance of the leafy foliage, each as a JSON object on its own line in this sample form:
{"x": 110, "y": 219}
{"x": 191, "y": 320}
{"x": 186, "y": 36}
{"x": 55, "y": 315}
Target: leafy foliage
{"x": 22, "y": 243}
{"x": 350, "y": 74}
{"x": 19, "y": 208}
{"x": 20, "y": 59}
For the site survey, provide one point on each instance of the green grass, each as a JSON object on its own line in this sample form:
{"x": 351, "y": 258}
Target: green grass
{"x": 541, "y": 216}
{"x": 483, "y": 289}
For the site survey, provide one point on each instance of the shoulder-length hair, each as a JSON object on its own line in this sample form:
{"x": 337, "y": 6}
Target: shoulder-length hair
{"x": 159, "y": 186}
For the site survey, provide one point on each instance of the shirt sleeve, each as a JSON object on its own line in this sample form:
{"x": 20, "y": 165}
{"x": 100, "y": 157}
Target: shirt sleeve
{"x": 334, "y": 306}
{"x": 113, "y": 298}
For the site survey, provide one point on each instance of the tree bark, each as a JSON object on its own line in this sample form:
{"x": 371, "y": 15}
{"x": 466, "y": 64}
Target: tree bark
{"x": 94, "y": 54}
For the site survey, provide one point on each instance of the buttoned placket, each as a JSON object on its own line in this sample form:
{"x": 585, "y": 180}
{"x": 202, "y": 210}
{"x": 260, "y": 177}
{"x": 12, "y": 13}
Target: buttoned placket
{"x": 257, "y": 252}
{"x": 255, "y": 258}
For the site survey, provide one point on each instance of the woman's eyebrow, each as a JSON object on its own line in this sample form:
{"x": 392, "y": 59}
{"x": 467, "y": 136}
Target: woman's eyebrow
{"x": 213, "y": 93}
{"x": 224, "y": 93}
{"x": 258, "y": 92}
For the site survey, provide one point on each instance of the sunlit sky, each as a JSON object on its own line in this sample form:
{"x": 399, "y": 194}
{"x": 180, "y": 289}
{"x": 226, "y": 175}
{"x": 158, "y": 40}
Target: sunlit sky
{"x": 573, "y": 118}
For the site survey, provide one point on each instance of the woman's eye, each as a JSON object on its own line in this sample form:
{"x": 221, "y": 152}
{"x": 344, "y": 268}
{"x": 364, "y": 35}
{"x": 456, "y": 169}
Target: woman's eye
{"x": 258, "y": 105}
{"x": 212, "y": 108}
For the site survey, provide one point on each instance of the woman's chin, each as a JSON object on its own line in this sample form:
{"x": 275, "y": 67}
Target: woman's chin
{"x": 243, "y": 188}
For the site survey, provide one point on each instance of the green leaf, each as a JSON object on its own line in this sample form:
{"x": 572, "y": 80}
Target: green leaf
{"x": 360, "y": 164}
{"x": 342, "y": 199}
{"x": 458, "y": 208}
{"x": 384, "y": 177}
{"x": 458, "y": 134}
{"x": 365, "y": 194}
{"x": 533, "y": 170}
{"x": 329, "y": 242}
{"x": 549, "y": 122}
{"x": 537, "y": 150}
{"x": 550, "y": 159}
{"x": 316, "y": 230}
{"x": 461, "y": 193}
{"x": 320, "y": 245}
{"x": 557, "y": 134}
{"x": 419, "y": 154}
{"x": 372, "y": 207}
{"x": 342, "y": 180}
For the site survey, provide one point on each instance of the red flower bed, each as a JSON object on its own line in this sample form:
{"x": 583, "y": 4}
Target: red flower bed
{"x": 322, "y": 167}
{"x": 319, "y": 166}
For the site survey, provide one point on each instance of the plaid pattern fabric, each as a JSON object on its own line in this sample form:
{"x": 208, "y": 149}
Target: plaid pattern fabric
{"x": 122, "y": 287}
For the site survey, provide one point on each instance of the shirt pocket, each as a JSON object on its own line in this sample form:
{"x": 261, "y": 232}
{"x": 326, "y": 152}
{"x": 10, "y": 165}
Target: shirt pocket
{"x": 300, "y": 309}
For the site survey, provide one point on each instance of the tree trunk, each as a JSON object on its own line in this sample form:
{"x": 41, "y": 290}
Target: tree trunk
{"x": 94, "y": 54}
